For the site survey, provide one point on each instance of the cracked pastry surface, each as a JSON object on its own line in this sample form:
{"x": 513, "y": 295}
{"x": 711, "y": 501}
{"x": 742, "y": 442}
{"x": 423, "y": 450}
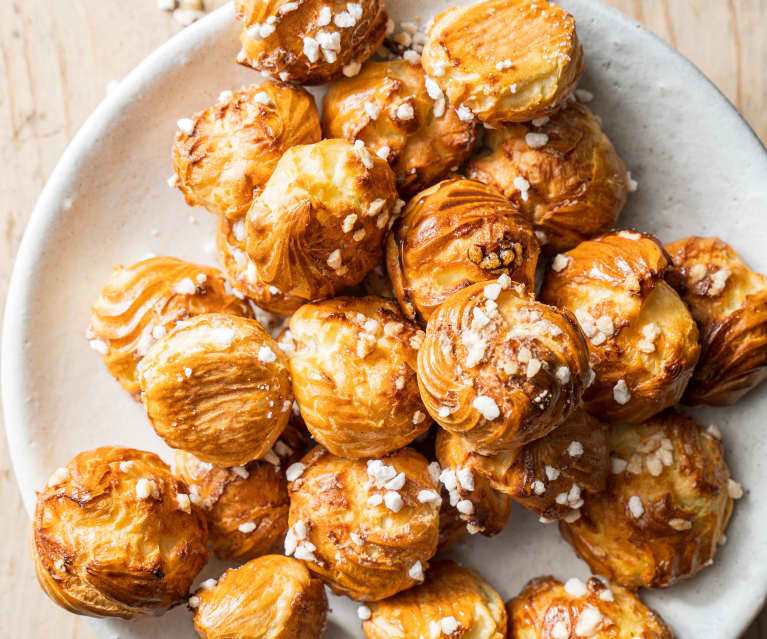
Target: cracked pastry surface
{"x": 487, "y": 74}
{"x": 668, "y": 500}
{"x": 241, "y": 272}
{"x": 454, "y": 234}
{"x": 246, "y": 507}
{"x": 142, "y": 302}
{"x": 729, "y": 303}
{"x": 114, "y": 534}
{"x": 402, "y": 117}
{"x": 309, "y": 41}
{"x": 217, "y": 386}
{"x": 318, "y": 225}
{"x": 453, "y": 601}
{"x": 561, "y": 171}
{"x": 353, "y": 363}
{"x": 643, "y": 342}
{"x": 367, "y": 528}
{"x": 227, "y": 152}
{"x": 271, "y": 597}
{"x": 551, "y": 475}
{"x": 546, "y": 608}
{"x": 499, "y": 368}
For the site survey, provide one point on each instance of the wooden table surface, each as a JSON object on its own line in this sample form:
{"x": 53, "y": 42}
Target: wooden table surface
{"x": 57, "y": 59}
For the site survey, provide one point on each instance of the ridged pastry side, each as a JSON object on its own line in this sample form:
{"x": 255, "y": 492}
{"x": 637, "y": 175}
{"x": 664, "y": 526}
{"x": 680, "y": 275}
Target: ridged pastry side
{"x": 217, "y": 386}
{"x": 272, "y": 597}
{"x": 241, "y": 272}
{"x": 729, "y": 302}
{"x": 142, "y": 302}
{"x": 454, "y": 234}
{"x": 504, "y": 60}
{"x": 227, "y": 152}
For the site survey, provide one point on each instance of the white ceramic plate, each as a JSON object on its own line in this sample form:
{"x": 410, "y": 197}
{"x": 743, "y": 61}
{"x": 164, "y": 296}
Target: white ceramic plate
{"x": 700, "y": 170}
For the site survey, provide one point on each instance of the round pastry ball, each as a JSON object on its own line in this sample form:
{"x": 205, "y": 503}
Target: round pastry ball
{"x": 668, "y": 500}
{"x": 225, "y": 154}
{"x": 272, "y": 597}
{"x": 548, "y": 608}
{"x": 114, "y": 534}
{"x": 318, "y": 225}
{"x": 353, "y": 363}
{"x": 549, "y": 476}
{"x": 367, "y": 528}
{"x": 142, "y": 302}
{"x": 729, "y": 303}
{"x": 504, "y": 60}
{"x": 218, "y": 387}
{"x": 499, "y": 368}
{"x": 453, "y": 601}
{"x": 482, "y": 508}
{"x": 246, "y": 507}
{"x": 241, "y": 272}
{"x": 309, "y": 41}
{"x": 457, "y": 233}
{"x": 561, "y": 171}
{"x": 643, "y": 342}
{"x": 402, "y": 117}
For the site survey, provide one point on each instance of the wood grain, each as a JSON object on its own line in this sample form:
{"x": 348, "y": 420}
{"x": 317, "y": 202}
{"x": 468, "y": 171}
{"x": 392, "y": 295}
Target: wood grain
{"x": 56, "y": 59}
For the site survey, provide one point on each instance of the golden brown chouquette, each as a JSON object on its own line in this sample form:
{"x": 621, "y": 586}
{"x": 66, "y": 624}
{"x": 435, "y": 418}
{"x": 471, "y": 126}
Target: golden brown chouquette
{"x": 643, "y": 342}
{"x": 114, "y": 534}
{"x": 272, "y": 597}
{"x": 224, "y": 155}
{"x": 353, "y": 363}
{"x": 367, "y": 528}
{"x": 550, "y": 476}
{"x": 548, "y": 609}
{"x": 318, "y": 225}
{"x": 668, "y": 500}
{"x": 453, "y": 601}
{"x": 217, "y": 386}
{"x": 454, "y": 234}
{"x": 310, "y": 41}
{"x": 729, "y": 302}
{"x": 402, "y": 116}
{"x": 504, "y": 60}
{"x": 246, "y": 507}
{"x": 499, "y": 368}
{"x": 561, "y": 171}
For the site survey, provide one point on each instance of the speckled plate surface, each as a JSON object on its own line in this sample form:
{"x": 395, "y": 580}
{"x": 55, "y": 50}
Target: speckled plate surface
{"x": 700, "y": 170}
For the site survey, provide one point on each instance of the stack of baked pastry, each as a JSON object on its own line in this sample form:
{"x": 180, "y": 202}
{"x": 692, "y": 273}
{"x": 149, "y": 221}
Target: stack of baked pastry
{"x": 372, "y": 374}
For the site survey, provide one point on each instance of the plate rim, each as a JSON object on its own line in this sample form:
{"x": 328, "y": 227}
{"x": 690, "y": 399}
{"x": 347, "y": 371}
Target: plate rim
{"x": 164, "y": 58}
